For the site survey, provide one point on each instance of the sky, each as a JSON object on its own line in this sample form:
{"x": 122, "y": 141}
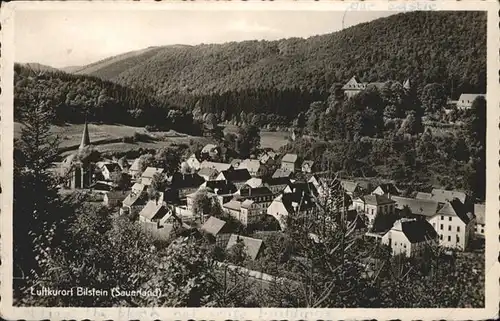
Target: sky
{"x": 73, "y": 38}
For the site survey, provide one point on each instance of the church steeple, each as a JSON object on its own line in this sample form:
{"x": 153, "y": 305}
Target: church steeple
{"x": 406, "y": 84}
{"x": 85, "y": 137}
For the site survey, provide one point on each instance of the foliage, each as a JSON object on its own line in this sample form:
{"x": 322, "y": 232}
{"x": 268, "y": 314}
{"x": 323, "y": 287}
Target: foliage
{"x": 248, "y": 140}
{"x": 121, "y": 180}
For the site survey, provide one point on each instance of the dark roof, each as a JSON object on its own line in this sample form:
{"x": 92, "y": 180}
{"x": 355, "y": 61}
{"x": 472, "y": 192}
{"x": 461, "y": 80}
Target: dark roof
{"x": 442, "y": 195}
{"x": 456, "y": 208}
{"x": 416, "y": 230}
{"x": 389, "y": 188}
{"x": 303, "y": 187}
{"x": 180, "y": 180}
{"x": 220, "y": 187}
{"x": 272, "y": 181}
{"x": 302, "y": 201}
{"x": 377, "y": 199}
{"x": 252, "y": 246}
{"x": 237, "y": 175}
{"x": 102, "y": 186}
{"x": 111, "y": 167}
{"x": 213, "y": 225}
{"x": 153, "y": 210}
{"x": 423, "y": 207}
{"x": 248, "y": 191}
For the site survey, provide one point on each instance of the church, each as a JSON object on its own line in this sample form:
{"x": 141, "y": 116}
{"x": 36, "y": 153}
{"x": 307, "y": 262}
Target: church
{"x": 77, "y": 172}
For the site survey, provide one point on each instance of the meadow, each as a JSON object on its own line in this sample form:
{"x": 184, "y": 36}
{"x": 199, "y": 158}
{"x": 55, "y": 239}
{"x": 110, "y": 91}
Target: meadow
{"x": 268, "y": 139}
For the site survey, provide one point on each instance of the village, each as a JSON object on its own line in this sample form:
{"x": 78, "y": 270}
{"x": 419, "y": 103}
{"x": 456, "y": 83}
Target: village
{"x": 261, "y": 192}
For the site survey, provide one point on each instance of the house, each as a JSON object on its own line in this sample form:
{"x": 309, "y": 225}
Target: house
{"x": 410, "y": 237}
{"x": 290, "y": 162}
{"x": 208, "y": 173}
{"x": 465, "y": 100}
{"x": 114, "y": 198}
{"x": 149, "y": 173}
{"x": 479, "y": 212}
{"x": 301, "y": 187}
{"x": 222, "y": 190}
{"x": 262, "y": 196}
{"x": 419, "y": 208}
{"x": 443, "y": 196}
{"x": 353, "y": 189}
{"x": 308, "y": 166}
{"x": 254, "y": 167}
{"x": 193, "y": 162}
{"x": 218, "y": 166}
{"x": 236, "y": 176}
{"x": 233, "y": 208}
{"x": 251, "y": 211}
{"x": 387, "y": 189}
{"x": 219, "y": 229}
{"x": 282, "y": 173}
{"x": 102, "y": 186}
{"x": 454, "y": 225}
{"x": 254, "y": 182}
{"x": 423, "y": 196}
{"x": 210, "y": 151}
{"x": 354, "y": 86}
{"x": 286, "y": 204}
{"x": 276, "y": 184}
{"x": 183, "y": 184}
{"x": 154, "y": 210}
{"x": 134, "y": 202}
{"x": 373, "y": 205}
{"x": 107, "y": 169}
{"x": 135, "y": 169}
{"x": 138, "y": 188}
{"x": 267, "y": 159}
{"x": 252, "y": 246}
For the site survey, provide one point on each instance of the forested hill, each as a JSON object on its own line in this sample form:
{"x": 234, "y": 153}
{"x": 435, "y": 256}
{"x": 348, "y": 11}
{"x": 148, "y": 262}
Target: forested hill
{"x": 424, "y": 46}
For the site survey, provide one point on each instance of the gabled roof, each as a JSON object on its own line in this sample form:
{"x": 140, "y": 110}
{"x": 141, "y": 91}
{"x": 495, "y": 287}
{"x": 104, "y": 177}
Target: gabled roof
{"x": 422, "y": 207}
{"x": 254, "y": 182}
{"x": 247, "y": 203}
{"x": 309, "y": 163}
{"x": 116, "y": 195}
{"x": 213, "y": 225}
{"x": 442, "y": 195}
{"x": 208, "y": 172}
{"x": 301, "y": 187}
{"x": 232, "y": 205}
{"x": 389, "y": 188}
{"x": 236, "y": 175}
{"x": 135, "y": 165}
{"x": 416, "y": 231}
{"x": 252, "y": 246}
{"x": 290, "y": 158}
{"x": 456, "y": 208}
{"x": 153, "y": 210}
{"x": 111, "y": 167}
{"x": 258, "y": 191}
{"x": 281, "y": 172}
{"x": 470, "y": 97}
{"x": 252, "y": 165}
{"x": 295, "y": 201}
{"x": 407, "y": 84}
{"x": 151, "y": 171}
{"x": 376, "y": 199}
{"x": 220, "y": 187}
{"x": 349, "y": 186}
{"x": 180, "y": 181}
{"x": 135, "y": 199}
{"x": 218, "y": 166}
{"x": 138, "y": 187}
{"x": 479, "y": 211}
{"x": 273, "y": 181}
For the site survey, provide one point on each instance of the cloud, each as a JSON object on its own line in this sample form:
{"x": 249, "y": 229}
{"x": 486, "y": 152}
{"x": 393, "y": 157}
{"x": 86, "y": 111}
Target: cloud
{"x": 243, "y": 25}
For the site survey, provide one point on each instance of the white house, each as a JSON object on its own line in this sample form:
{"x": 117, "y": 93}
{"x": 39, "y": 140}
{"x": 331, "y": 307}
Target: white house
{"x": 454, "y": 225}
{"x": 254, "y": 167}
{"x": 479, "y": 211}
{"x": 373, "y": 205}
{"x": 286, "y": 204}
{"x": 387, "y": 189}
{"x": 465, "y": 101}
{"x": 108, "y": 168}
{"x": 410, "y": 237}
{"x": 149, "y": 173}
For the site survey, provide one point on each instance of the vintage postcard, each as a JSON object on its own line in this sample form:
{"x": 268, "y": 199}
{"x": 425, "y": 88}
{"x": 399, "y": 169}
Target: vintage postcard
{"x": 250, "y": 160}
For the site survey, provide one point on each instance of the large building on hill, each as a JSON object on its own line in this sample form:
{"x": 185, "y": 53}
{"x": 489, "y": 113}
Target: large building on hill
{"x": 465, "y": 100}
{"x": 354, "y": 86}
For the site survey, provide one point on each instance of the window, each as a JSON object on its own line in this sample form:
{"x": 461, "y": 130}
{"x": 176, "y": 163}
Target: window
{"x": 449, "y": 227}
{"x": 458, "y": 238}
{"x": 442, "y": 217}
{"x": 434, "y": 225}
{"x": 440, "y": 236}
{"x": 449, "y": 238}
{"x": 450, "y": 218}
{"x": 482, "y": 230}
{"x": 441, "y": 227}
{"x": 458, "y": 228}
{"x": 372, "y": 211}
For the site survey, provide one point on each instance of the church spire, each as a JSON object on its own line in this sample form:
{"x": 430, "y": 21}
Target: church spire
{"x": 85, "y": 137}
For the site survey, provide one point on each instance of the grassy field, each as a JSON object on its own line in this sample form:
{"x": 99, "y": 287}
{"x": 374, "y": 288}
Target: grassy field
{"x": 108, "y": 138}
{"x": 268, "y": 139}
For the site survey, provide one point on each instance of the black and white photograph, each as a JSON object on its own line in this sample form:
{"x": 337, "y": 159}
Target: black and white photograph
{"x": 251, "y": 158}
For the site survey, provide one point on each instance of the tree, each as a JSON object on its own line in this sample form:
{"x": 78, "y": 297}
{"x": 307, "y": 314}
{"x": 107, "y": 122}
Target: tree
{"x": 433, "y": 97}
{"x": 237, "y": 254}
{"x": 248, "y": 140}
{"x": 412, "y": 125}
{"x": 158, "y": 185}
{"x": 145, "y": 161}
{"x": 36, "y": 215}
{"x": 168, "y": 159}
{"x": 121, "y": 180}
{"x": 204, "y": 204}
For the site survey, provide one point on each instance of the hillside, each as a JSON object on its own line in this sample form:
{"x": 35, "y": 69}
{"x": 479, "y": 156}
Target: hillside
{"x": 39, "y": 68}
{"x": 424, "y": 46}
